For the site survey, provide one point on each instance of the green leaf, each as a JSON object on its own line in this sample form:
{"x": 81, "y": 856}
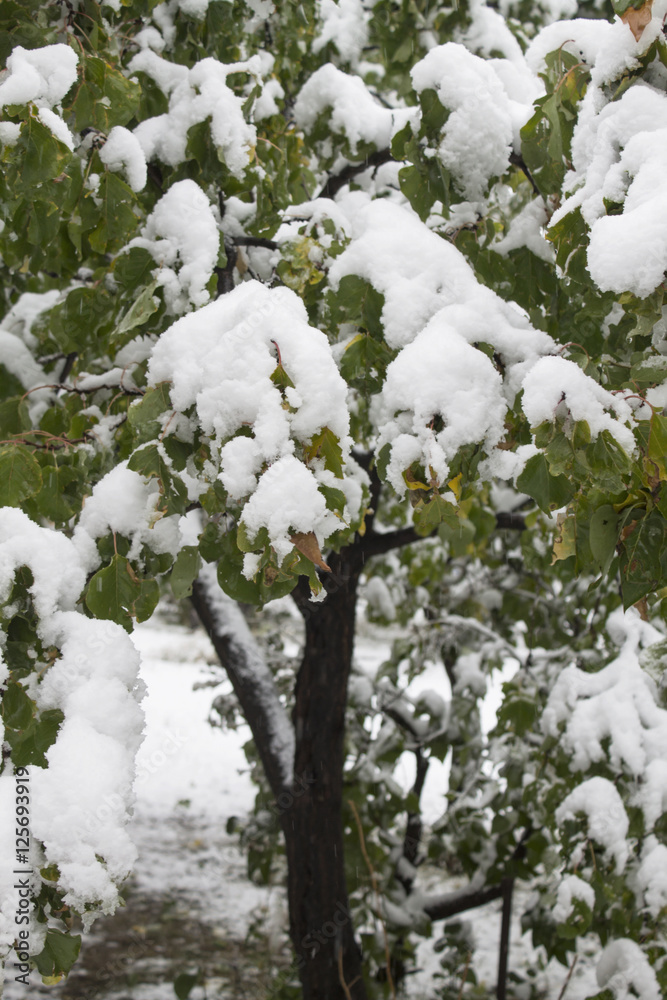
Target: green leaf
{"x": 643, "y": 559}
{"x": 117, "y": 222}
{"x": 434, "y": 513}
{"x": 117, "y": 593}
{"x": 185, "y": 983}
{"x": 20, "y": 475}
{"x": 133, "y": 267}
{"x": 185, "y": 571}
{"x": 59, "y": 954}
{"x": 549, "y": 492}
{"x": 326, "y": 445}
{"x": 139, "y": 312}
{"x": 29, "y": 745}
{"x": 603, "y": 536}
{"x": 153, "y": 404}
{"x": 16, "y": 707}
{"x": 335, "y": 499}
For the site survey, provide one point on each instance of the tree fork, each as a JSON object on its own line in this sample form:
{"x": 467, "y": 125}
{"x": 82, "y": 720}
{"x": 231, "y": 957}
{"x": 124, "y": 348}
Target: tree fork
{"x": 321, "y": 928}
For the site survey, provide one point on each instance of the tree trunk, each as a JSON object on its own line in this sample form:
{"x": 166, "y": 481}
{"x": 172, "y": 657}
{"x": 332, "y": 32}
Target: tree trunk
{"x": 320, "y": 923}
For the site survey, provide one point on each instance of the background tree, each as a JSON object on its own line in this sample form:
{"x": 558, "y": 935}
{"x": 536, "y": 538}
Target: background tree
{"x": 280, "y": 318}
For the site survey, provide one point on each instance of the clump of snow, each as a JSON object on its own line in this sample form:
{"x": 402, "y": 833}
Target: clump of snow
{"x": 607, "y": 820}
{"x": 624, "y": 967}
{"x": 124, "y": 502}
{"x": 220, "y": 360}
{"x": 476, "y": 140}
{"x": 527, "y": 230}
{"x": 557, "y": 387}
{"x": 569, "y": 890}
{"x": 57, "y": 126}
{"x": 439, "y": 375}
{"x": 580, "y": 37}
{"x": 345, "y": 25}
{"x": 435, "y": 310}
{"x": 286, "y": 501}
{"x": 41, "y": 76}
{"x": 20, "y": 361}
{"x": 618, "y": 156}
{"x": 122, "y": 151}
{"x": 652, "y": 876}
{"x": 182, "y": 231}
{"x": 196, "y": 95}
{"x": 352, "y": 110}
{"x": 94, "y": 682}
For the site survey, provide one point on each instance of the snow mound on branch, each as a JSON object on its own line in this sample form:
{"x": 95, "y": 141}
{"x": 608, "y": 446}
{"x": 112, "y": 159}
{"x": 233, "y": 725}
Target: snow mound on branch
{"x": 220, "y": 360}
{"x": 569, "y": 890}
{"x": 122, "y": 151}
{"x": 126, "y": 503}
{"x": 619, "y": 157}
{"x": 624, "y": 966}
{"x": 345, "y": 25}
{"x": 353, "y": 111}
{"x": 484, "y": 122}
{"x": 607, "y": 820}
{"x": 81, "y": 803}
{"x": 182, "y": 230}
{"x": 41, "y": 76}
{"x": 556, "y": 386}
{"x": 455, "y": 382}
{"x": 437, "y": 312}
{"x": 613, "y": 715}
{"x": 196, "y": 95}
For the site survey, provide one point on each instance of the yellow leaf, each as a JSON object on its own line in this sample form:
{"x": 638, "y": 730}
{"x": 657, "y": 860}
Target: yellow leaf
{"x": 455, "y": 485}
{"x": 565, "y": 540}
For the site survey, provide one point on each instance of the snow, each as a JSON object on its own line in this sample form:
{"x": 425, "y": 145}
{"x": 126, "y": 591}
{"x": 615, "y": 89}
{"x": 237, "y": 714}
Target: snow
{"x": 196, "y": 95}
{"x": 220, "y": 360}
{"x": 527, "y": 230}
{"x": 345, "y": 25}
{"x": 250, "y": 667}
{"x": 569, "y": 890}
{"x": 476, "y": 140}
{"x": 456, "y": 382}
{"x": 556, "y": 387}
{"x": 41, "y": 76}
{"x": 652, "y": 876}
{"x": 122, "y": 151}
{"x": 93, "y": 680}
{"x": 125, "y": 502}
{"x": 623, "y": 966}
{"x": 618, "y": 156}
{"x": 56, "y": 125}
{"x": 352, "y": 110}
{"x": 607, "y": 820}
{"x": 182, "y": 231}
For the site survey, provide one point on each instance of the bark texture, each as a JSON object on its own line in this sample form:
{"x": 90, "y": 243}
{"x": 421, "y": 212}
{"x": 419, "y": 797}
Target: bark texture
{"x": 320, "y": 924}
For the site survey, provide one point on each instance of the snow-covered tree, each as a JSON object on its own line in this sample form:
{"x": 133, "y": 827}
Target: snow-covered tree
{"x": 339, "y": 300}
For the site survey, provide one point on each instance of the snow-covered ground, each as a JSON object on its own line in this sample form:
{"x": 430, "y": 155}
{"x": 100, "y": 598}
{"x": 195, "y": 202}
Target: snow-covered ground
{"x": 190, "y": 903}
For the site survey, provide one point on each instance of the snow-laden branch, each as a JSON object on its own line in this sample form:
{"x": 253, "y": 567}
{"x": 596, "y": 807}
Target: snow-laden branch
{"x": 250, "y": 676}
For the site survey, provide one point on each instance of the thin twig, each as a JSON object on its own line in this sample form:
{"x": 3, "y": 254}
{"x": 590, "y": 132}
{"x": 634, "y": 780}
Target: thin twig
{"x": 465, "y": 975}
{"x": 341, "y": 974}
{"x": 376, "y": 890}
{"x": 568, "y": 977}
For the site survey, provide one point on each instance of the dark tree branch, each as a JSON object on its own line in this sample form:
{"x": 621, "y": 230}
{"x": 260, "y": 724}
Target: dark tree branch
{"x": 225, "y": 275}
{"x": 510, "y": 520}
{"x": 253, "y": 686}
{"x": 254, "y": 241}
{"x": 507, "y": 886}
{"x": 339, "y": 180}
{"x": 443, "y": 907}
